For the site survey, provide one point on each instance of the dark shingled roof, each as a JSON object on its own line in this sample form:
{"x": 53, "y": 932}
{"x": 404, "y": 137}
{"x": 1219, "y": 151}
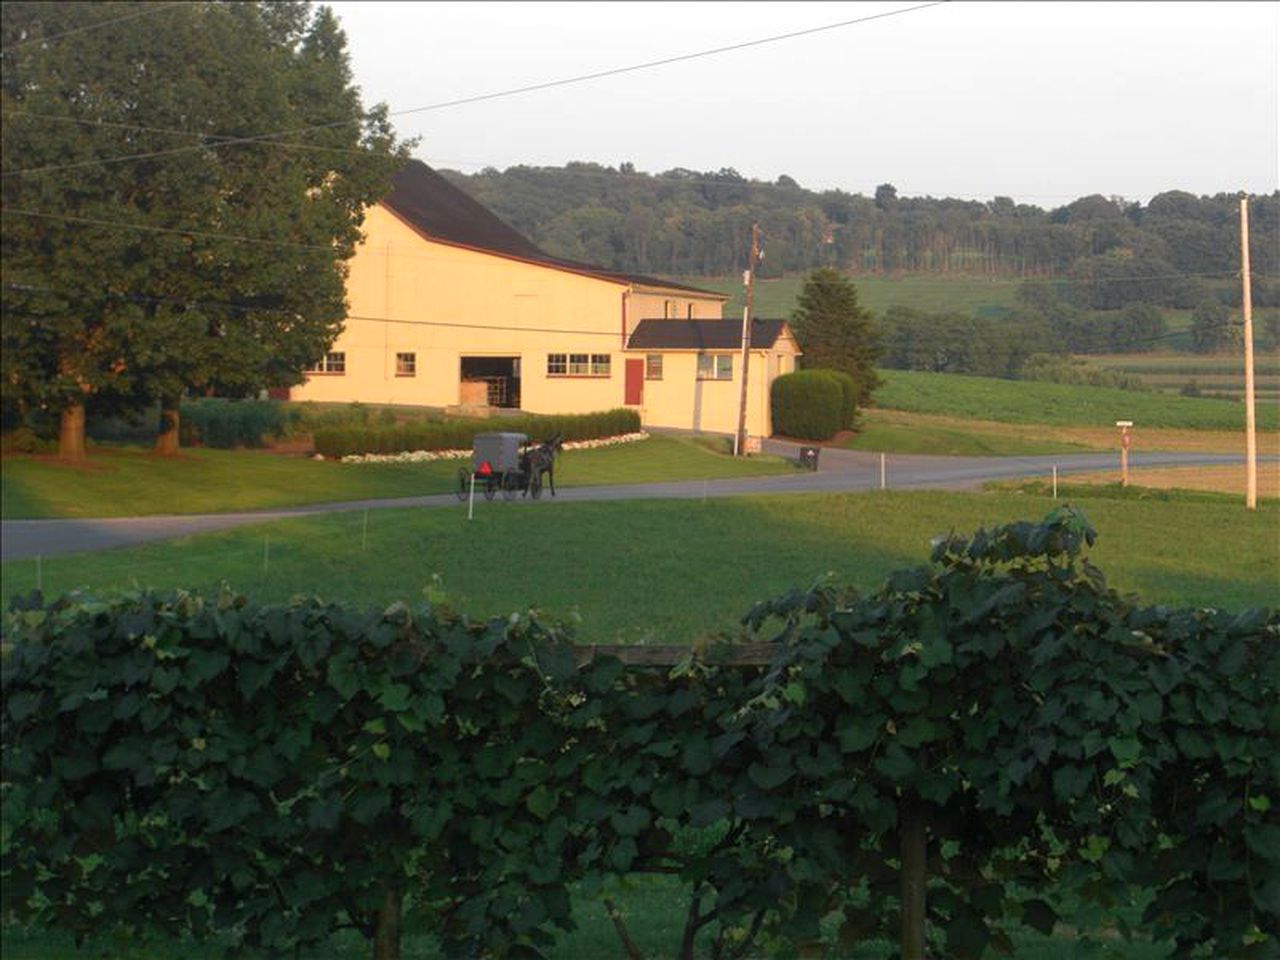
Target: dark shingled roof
{"x": 440, "y": 210}
{"x": 703, "y": 334}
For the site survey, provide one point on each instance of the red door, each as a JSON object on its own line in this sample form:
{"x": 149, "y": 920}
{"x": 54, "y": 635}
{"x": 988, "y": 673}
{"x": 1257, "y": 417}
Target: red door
{"x": 635, "y": 382}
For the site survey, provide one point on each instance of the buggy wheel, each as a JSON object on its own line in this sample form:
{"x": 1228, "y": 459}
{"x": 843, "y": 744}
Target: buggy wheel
{"x": 535, "y": 486}
{"x": 464, "y": 483}
{"x": 491, "y": 487}
{"x": 510, "y": 485}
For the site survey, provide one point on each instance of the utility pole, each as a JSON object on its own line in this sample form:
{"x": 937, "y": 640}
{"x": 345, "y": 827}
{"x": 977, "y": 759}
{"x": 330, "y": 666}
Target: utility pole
{"x": 740, "y": 439}
{"x": 1250, "y": 434}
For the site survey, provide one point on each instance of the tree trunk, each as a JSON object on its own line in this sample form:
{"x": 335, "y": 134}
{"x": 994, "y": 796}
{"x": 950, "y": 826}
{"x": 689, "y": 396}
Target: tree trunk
{"x": 386, "y": 937}
{"x": 71, "y": 433}
{"x": 166, "y": 444}
{"x": 914, "y": 841}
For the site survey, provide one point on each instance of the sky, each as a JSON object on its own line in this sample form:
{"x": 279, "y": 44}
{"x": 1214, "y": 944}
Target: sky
{"x": 1042, "y": 102}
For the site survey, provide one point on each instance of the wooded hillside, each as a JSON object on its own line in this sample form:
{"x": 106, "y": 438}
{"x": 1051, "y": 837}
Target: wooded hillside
{"x": 683, "y": 222}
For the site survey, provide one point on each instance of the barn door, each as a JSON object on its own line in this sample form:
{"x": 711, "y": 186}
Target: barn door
{"x": 635, "y": 382}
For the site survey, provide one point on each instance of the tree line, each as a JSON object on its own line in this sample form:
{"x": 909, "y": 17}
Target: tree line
{"x": 685, "y": 222}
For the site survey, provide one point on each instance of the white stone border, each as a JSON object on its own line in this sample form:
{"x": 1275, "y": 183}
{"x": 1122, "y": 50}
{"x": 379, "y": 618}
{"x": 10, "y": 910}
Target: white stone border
{"x": 423, "y": 456}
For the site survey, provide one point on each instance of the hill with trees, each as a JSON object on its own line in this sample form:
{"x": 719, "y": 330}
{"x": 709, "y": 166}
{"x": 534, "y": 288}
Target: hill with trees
{"x": 1169, "y": 252}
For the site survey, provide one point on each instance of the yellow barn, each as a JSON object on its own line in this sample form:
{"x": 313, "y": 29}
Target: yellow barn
{"x": 450, "y": 307}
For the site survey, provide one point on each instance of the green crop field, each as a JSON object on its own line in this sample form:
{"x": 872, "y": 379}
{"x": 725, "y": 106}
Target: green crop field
{"x": 1014, "y": 401}
{"x": 1210, "y": 373}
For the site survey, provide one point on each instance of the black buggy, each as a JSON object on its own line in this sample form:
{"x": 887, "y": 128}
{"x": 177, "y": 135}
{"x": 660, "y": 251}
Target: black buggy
{"x": 507, "y": 462}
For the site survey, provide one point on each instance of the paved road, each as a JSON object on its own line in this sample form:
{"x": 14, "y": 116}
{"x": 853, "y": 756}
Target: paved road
{"x": 838, "y": 470}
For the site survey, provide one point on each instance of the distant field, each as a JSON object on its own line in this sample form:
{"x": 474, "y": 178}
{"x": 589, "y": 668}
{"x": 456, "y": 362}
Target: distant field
{"x": 777, "y": 298}
{"x": 1212, "y": 373}
{"x": 1012, "y": 401}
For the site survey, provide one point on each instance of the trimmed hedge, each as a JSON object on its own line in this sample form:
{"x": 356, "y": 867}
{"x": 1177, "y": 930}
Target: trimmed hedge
{"x": 849, "y": 391}
{"x": 458, "y": 434}
{"x": 229, "y": 423}
{"x": 808, "y": 404}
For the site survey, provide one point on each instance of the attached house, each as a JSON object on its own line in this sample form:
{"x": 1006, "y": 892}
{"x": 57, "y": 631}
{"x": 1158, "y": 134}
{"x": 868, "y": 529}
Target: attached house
{"x": 450, "y": 307}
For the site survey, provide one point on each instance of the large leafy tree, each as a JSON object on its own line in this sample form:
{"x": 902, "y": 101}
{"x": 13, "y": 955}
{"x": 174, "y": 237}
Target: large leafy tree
{"x": 182, "y": 190}
{"x": 835, "y": 331}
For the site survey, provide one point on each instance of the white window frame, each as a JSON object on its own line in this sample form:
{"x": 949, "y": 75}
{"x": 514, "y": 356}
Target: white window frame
{"x": 715, "y": 366}
{"x": 333, "y": 364}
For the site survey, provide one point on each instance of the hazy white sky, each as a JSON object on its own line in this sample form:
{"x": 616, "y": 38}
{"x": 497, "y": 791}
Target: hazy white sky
{"x": 1044, "y": 102}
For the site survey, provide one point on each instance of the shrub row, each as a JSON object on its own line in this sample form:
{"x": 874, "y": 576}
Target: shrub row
{"x": 457, "y": 434}
{"x": 230, "y": 423}
{"x": 813, "y": 404}
{"x": 997, "y": 724}
{"x": 307, "y": 416}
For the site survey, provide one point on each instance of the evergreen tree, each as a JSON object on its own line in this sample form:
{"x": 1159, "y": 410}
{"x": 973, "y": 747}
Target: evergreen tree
{"x": 155, "y": 241}
{"x": 835, "y": 331}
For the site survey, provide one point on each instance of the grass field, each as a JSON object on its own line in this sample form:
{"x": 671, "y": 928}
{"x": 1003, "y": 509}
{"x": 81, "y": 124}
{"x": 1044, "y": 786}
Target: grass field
{"x": 777, "y": 298}
{"x": 1055, "y": 404}
{"x": 128, "y": 481}
{"x": 671, "y": 571}
{"x": 897, "y": 431}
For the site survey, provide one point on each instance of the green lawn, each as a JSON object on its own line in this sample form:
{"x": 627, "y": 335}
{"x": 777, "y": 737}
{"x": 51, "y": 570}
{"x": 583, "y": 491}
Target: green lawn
{"x": 127, "y": 481}
{"x": 1015, "y": 401}
{"x": 671, "y": 571}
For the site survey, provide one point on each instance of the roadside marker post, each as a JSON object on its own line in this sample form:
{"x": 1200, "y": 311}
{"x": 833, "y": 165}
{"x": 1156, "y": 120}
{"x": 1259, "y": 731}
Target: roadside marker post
{"x": 1055, "y": 481}
{"x": 883, "y": 484}
{"x": 471, "y": 498}
{"x": 1126, "y": 441}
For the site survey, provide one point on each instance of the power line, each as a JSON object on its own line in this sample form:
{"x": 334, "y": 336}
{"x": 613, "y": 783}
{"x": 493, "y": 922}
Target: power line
{"x": 240, "y": 238}
{"x": 150, "y": 9}
{"x": 238, "y": 307}
{"x": 570, "y": 168}
{"x": 169, "y": 131}
{"x": 478, "y": 98}
{"x": 241, "y": 307}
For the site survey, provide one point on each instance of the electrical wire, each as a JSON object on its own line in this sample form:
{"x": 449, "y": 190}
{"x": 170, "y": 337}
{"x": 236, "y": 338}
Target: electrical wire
{"x": 286, "y": 244}
{"x": 478, "y": 98}
{"x": 150, "y": 9}
{"x": 240, "y": 307}
{"x": 658, "y": 179}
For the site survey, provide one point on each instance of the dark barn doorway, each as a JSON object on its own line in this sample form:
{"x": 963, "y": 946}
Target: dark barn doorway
{"x": 501, "y": 375}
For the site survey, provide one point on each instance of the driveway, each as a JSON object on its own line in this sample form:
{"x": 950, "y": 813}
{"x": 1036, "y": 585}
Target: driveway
{"x": 838, "y": 470}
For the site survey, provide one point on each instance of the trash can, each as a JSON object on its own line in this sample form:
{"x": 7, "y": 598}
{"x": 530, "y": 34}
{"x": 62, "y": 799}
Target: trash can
{"x": 809, "y": 457}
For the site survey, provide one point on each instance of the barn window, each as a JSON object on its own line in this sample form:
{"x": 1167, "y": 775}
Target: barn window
{"x": 406, "y": 364}
{"x": 653, "y": 366}
{"x": 332, "y": 362}
{"x": 715, "y": 366}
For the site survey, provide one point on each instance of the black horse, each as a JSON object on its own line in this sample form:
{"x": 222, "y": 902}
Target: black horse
{"x": 539, "y": 461}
